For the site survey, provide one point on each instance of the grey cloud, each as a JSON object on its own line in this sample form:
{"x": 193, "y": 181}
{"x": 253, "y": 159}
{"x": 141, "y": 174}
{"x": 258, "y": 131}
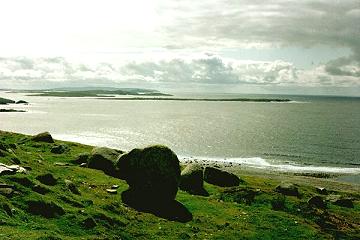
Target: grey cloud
{"x": 203, "y": 70}
{"x": 304, "y": 23}
{"x": 346, "y": 66}
{"x": 239, "y": 23}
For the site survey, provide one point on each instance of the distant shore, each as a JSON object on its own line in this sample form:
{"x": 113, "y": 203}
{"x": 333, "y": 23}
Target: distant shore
{"x": 201, "y": 99}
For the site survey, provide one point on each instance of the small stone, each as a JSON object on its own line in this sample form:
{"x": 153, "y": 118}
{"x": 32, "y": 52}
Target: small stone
{"x": 112, "y": 191}
{"x": 321, "y": 190}
{"x": 114, "y": 186}
{"x": 61, "y": 164}
{"x": 7, "y": 192}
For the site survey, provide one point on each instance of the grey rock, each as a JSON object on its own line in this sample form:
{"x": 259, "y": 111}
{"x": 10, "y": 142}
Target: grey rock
{"x": 192, "y": 180}
{"x": 103, "y": 158}
{"x": 59, "y": 149}
{"x": 154, "y": 170}
{"x": 288, "y": 189}
{"x": 43, "y": 137}
{"x": 317, "y": 202}
{"x": 220, "y": 178}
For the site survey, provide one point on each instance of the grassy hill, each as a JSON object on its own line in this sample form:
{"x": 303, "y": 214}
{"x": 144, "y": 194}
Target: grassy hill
{"x": 253, "y": 210}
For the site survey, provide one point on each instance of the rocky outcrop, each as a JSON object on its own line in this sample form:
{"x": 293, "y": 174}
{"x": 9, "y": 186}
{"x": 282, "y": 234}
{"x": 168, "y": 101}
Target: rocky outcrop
{"x": 103, "y": 158}
{"x": 153, "y": 175}
{"x": 192, "y": 180}
{"x": 220, "y": 178}
{"x": 43, "y": 137}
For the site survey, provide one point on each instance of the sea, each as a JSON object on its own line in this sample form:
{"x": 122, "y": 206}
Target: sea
{"x": 307, "y": 134}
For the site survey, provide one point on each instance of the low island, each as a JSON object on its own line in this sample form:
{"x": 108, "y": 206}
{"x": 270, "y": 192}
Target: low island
{"x": 51, "y": 189}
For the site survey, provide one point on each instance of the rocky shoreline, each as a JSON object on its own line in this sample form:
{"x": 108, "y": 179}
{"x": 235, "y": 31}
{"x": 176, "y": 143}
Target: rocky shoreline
{"x": 69, "y": 190}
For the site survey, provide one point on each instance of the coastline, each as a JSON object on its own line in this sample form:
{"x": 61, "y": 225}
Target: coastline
{"x": 85, "y": 202}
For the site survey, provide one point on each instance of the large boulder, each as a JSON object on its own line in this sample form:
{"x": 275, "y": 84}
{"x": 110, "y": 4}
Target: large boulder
{"x": 153, "y": 175}
{"x": 154, "y": 169}
{"x": 43, "y": 137}
{"x": 103, "y": 158}
{"x": 192, "y": 180}
{"x": 220, "y": 178}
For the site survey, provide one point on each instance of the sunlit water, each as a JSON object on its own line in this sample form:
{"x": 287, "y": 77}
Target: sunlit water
{"x": 310, "y": 133}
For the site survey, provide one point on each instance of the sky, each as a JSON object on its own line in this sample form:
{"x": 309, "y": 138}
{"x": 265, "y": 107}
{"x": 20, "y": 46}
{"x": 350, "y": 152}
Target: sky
{"x": 236, "y": 46}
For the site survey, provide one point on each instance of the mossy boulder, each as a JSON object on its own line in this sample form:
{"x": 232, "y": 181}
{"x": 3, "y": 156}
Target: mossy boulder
{"x": 192, "y": 180}
{"x": 220, "y": 178}
{"x": 43, "y": 137}
{"x": 103, "y": 158}
{"x": 154, "y": 169}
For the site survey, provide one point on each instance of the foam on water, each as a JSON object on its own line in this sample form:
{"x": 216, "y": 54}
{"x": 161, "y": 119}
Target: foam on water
{"x": 260, "y": 163}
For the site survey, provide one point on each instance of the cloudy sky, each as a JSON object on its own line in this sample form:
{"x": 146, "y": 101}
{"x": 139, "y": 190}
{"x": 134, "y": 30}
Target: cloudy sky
{"x": 248, "y": 46}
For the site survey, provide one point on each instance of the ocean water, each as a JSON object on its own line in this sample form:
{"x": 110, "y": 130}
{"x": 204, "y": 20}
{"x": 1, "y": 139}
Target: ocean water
{"x": 308, "y": 134}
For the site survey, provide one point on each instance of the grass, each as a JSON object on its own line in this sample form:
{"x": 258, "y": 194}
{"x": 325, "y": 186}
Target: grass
{"x": 225, "y": 214}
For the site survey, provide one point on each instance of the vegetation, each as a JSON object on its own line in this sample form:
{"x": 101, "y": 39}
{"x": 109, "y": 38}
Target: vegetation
{"x": 58, "y": 199}
{"x": 4, "y": 101}
{"x": 78, "y": 92}
{"x": 11, "y": 110}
